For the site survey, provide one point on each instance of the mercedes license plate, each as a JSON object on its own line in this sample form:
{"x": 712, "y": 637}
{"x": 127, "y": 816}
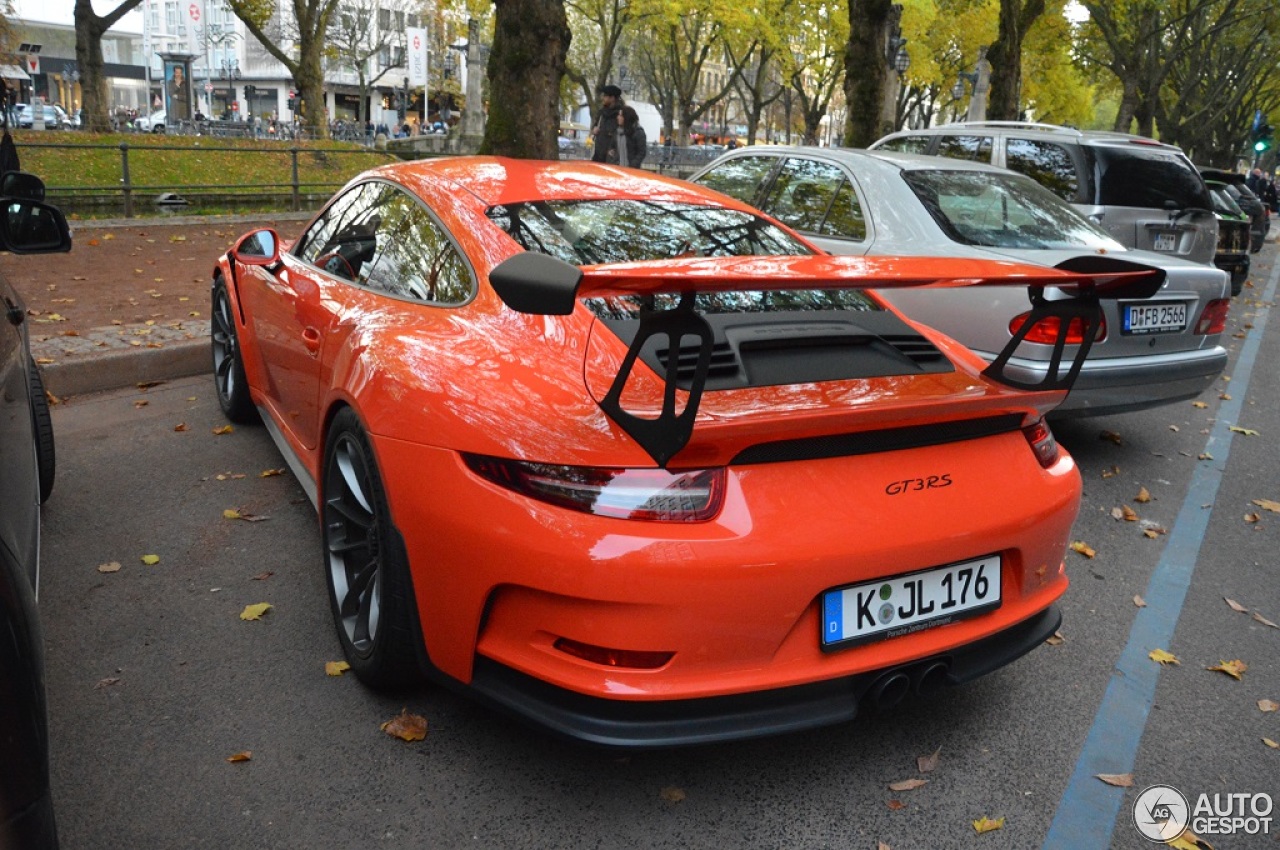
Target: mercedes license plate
{"x": 896, "y": 606}
{"x": 1167, "y": 317}
{"x": 1166, "y": 242}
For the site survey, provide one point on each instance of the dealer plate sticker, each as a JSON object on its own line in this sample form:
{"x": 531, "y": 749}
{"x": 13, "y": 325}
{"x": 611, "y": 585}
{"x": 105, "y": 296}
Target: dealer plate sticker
{"x": 1166, "y": 317}
{"x": 900, "y": 605}
{"x": 1166, "y": 242}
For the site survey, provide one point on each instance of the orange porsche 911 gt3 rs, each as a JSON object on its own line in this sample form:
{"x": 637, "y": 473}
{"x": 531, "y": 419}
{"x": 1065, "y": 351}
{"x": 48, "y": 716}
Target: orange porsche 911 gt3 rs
{"x": 634, "y": 462}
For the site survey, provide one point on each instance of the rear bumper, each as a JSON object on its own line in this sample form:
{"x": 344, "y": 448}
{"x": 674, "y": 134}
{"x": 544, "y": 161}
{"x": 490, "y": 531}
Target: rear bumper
{"x": 1124, "y": 384}
{"x": 671, "y": 723}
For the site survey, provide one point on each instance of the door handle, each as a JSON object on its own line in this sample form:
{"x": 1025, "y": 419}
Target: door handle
{"x": 311, "y": 339}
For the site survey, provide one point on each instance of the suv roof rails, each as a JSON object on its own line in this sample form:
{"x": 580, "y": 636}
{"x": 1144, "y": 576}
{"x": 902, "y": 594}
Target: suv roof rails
{"x": 1030, "y": 125}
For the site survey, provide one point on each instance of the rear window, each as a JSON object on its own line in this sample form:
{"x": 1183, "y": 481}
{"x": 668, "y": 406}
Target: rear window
{"x": 1135, "y": 176}
{"x": 1048, "y": 163}
{"x": 585, "y": 233}
{"x": 976, "y": 148}
{"x": 712, "y": 303}
{"x": 998, "y": 210}
{"x": 905, "y": 144}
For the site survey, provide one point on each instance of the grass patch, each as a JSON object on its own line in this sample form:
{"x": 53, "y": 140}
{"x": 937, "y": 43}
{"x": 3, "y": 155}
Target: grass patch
{"x": 92, "y": 163}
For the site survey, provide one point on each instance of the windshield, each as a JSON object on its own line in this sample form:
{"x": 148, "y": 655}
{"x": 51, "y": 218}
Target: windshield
{"x": 997, "y": 210}
{"x": 622, "y": 231}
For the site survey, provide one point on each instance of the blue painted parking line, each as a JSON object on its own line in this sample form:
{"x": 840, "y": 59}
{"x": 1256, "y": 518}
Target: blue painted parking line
{"x": 1087, "y": 812}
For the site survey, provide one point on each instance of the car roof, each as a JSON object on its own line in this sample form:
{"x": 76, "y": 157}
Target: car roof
{"x": 501, "y": 180}
{"x": 1104, "y": 137}
{"x": 860, "y": 158}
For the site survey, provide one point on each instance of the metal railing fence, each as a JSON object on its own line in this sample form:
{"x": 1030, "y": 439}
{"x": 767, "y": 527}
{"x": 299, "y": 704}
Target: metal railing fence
{"x": 284, "y": 172}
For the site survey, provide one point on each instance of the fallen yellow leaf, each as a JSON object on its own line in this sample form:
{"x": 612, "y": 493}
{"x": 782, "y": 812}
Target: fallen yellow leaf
{"x": 1159, "y": 655}
{"x": 1265, "y": 705}
{"x": 1143, "y": 496}
{"x": 1268, "y": 505}
{"x": 231, "y": 513}
{"x": 672, "y": 794}
{"x": 1235, "y": 606}
{"x": 1200, "y": 404}
{"x": 112, "y": 567}
{"x": 907, "y": 784}
{"x": 1083, "y": 548}
{"x": 239, "y": 757}
{"x": 255, "y": 611}
{"x": 1119, "y": 780}
{"x": 1234, "y": 669}
{"x": 1246, "y": 431}
{"x": 894, "y": 805}
{"x": 181, "y": 426}
{"x": 986, "y": 824}
{"x": 1270, "y": 743}
{"x": 150, "y": 560}
{"x": 1110, "y": 436}
{"x": 406, "y": 726}
{"x": 267, "y": 473}
{"x": 1055, "y": 639}
{"x": 1139, "y": 601}
{"x": 223, "y": 429}
{"x": 1130, "y": 515}
{"x": 1111, "y": 473}
{"x": 336, "y": 668}
{"x": 1252, "y": 516}
{"x": 1264, "y": 620}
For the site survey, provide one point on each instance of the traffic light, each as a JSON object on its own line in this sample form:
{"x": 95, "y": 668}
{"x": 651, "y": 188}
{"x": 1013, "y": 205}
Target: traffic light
{"x": 1264, "y": 138}
{"x": 250, "y": 91}
{"x": 293, "y": 100}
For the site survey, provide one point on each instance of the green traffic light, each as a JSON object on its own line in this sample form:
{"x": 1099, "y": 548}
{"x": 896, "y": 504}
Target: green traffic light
{"x": 1259, "y": 146}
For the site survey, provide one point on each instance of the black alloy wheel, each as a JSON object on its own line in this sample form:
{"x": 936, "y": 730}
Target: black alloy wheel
{"x": 370, "y": 591}
{"x": 228, "y": 368}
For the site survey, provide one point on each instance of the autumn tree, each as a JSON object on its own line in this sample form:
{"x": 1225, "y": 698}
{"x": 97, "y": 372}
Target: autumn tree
{"x": 1005, "y": 55}
{"x": 814, "y": 62}
{"x": 90, "y": 28}
{"x": 297, "y": 41}
{"x": 530, "y": 42}
{"x": 682, "y": 55}
{"x": 357, "y": 35}
{"x": 598, "y": 47}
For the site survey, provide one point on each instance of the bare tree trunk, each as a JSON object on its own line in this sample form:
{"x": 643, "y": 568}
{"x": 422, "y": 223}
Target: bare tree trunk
{"x": 865, "y": 70}
{"x": 530, "y": 43}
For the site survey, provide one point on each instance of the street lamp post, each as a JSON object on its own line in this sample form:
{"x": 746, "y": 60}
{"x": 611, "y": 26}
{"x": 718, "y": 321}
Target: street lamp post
{"x": 898, "y": 60}
{"x": 979, "y": 78}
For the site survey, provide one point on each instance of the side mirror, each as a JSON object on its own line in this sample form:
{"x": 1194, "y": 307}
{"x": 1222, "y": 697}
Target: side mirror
{"x": 33, "y": 227}
{"x": 259, "y": 248}
{"x": 20, "y": 184}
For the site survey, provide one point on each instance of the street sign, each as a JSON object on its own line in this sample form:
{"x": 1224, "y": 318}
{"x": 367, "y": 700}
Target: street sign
{"x": 208, "y": 88}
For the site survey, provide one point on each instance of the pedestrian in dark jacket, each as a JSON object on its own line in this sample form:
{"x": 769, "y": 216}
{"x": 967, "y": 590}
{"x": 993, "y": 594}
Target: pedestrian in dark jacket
{"x": 637, "y": 140}
{"x": 605, "y": 132}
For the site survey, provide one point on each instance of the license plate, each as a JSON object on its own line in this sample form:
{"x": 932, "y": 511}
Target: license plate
{"x": 1164, "y": 318}
{"x": 892, "y": 607}
{"x": 1166, "y": 242}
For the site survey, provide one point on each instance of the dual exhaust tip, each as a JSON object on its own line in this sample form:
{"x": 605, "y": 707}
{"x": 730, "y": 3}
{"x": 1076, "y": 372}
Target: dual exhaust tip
{"x": 921, "y": 679}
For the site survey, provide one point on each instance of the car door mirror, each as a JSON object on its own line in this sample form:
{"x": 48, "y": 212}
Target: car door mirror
{"x": 20, "y": 184}
{"x": 32, "y": 227}
{"x": 259, "y": 248}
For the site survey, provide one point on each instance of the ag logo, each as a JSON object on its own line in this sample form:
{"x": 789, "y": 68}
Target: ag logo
{"x": 1161, "y": 813}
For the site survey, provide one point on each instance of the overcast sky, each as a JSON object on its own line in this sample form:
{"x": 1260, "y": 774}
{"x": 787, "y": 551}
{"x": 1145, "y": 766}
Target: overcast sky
{"x": 63, "y": 12}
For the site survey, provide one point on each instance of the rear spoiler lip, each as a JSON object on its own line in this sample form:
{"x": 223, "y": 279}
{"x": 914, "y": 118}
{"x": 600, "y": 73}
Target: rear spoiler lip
{"x": 540, "y": 284}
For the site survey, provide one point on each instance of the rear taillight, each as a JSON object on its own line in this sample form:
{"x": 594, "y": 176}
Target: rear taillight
{"x": 1214, "y": 318}
{"x": 1042, "y": 442}
{"x": 1045, "y": 331}
{"x": 642, "y": 494}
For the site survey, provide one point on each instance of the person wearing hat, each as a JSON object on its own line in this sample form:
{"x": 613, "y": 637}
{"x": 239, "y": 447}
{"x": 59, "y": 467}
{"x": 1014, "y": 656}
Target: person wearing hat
{"x": 605, "y": 132}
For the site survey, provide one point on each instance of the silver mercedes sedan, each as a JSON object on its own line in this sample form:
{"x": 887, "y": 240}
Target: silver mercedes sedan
{"x": 1144, "y": 354}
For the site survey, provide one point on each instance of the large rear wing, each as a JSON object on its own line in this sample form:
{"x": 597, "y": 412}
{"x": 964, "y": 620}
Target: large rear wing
{"x": 540, "y": 284}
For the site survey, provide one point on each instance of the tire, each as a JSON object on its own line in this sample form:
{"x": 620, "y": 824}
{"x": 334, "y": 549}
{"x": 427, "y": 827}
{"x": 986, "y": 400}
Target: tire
{"x": 366, "y": 569}
{"x": 46, "y": 458}
{"x": 228, "y": 367}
